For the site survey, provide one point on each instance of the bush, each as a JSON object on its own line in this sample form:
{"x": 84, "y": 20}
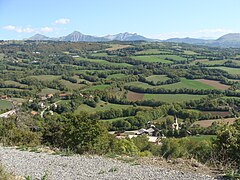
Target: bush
{"x": 126, "y": 147}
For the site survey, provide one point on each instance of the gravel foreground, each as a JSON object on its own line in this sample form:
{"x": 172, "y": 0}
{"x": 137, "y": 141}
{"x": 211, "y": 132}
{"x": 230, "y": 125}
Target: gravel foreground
{"x": 35, "y": 165}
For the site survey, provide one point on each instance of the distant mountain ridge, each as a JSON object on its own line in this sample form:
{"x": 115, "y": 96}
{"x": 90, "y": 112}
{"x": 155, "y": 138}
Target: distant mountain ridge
{"x": 225, "y": 41}
{"x": 79, "y": 37}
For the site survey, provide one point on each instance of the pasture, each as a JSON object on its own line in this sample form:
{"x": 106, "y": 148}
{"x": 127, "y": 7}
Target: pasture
{"x": 98, "y": 87}
{"x": 189, "y": 84}
{"x": 48, "y": 91}
{"x": 227, "y": 69}
{"x": 215, "y": 84}
{"x": 207, "y": 123}
{"x": 198, "y": 138}
{"x": 117, "y": 46}
{"x": 5, "y": 105}
{"x": 152, "y": 58}
{"x": 184, "y": 83}
{"x": 101, "y": 106}
{"x": 46, "y": 77}
{"x": 100, "y": 61}
{"x": 172, "y": 98}
{"x": 157, "y": 78}
{"x": 72, "y": 86}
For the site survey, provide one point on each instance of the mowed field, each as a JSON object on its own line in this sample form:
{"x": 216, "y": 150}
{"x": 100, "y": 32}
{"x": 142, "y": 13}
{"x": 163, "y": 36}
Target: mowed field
{"x": 213, "y": 83}
{"x": 153, "y": 58}
{"x": 16, "y": 84}
{"x": 157, "y": 78}
{"x": 217, "y": 113}
{"x": 101, "y": 106}
{"x": 152, "y": 51}
{"x": 171, "y": 98}
{"x": 227, "y": 69}
{"x": 5, "y": 105}
{"x": 207, "y": 123}
{"x": 184, "y": 83}
{"x": 132, "y": 96}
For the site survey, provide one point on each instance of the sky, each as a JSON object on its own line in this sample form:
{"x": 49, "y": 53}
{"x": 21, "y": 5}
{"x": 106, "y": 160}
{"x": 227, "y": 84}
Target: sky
{"x": 160, "y": 19}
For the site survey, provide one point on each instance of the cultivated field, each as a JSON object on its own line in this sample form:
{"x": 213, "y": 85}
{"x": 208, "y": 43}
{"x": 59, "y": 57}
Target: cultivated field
{"x": 171, "y": 98}
{"x": 132, "y": 96}
{"x": 215, "y": 84}
{"x": 207, "y": 123}
{"x": 228, "y": 69}
{"x": 152, "y": 58}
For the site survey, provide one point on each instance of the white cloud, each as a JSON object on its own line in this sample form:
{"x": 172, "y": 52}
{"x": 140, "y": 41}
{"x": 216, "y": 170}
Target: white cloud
{"x": 203, "y": 33}
{"x": 19, "y": 29}
{"x": 28, "y": 29}
{"x": 62, "y": 21}
{"x": 9, "y": 27}
{"x": 46, "y": 29}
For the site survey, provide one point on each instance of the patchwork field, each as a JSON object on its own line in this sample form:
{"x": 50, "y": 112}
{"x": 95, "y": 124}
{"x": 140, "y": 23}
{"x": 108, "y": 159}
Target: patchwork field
{"x": 228, "y": 69}
{"x": 207, "y": 123}
{"x": 189, "y": 84}
{"x": 217, "y": 113}
{"x": 184, "y": 83}
{"x": 215, "y": 84}
{"x": 132, "y": 96}
{"x": 171, "y": 98}
{"x": 152, "y": 58}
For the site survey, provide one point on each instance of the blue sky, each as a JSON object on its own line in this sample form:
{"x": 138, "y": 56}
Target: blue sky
{"x": 152, "y": 18}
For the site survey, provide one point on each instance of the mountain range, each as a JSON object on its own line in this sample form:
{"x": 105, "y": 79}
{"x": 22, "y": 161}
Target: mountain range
{"x": 228, "y": 40}
{"x": 79, "y": 37}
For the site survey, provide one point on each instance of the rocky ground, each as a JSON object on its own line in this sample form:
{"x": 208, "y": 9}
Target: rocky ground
{"x": 56, "y": 167}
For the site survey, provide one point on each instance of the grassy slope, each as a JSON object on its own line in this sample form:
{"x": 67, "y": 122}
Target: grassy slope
{"x": 5, "y": 105}
{"x": 170, "y": 98}
{"x": 156, "y": 78}
{"x": 184, "y": 83}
